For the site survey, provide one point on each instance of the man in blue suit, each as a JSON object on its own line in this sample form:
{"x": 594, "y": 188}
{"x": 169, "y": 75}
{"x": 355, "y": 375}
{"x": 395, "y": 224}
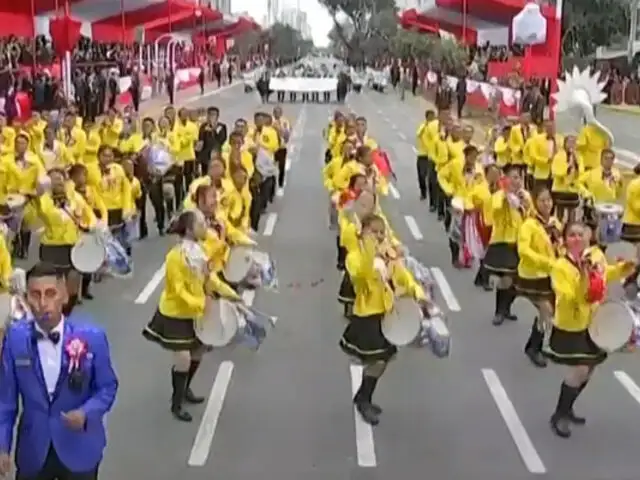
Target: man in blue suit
{"x": 60, "y": 370}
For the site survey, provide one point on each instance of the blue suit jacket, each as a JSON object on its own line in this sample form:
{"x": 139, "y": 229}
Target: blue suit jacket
{"x": 41, "y": 424}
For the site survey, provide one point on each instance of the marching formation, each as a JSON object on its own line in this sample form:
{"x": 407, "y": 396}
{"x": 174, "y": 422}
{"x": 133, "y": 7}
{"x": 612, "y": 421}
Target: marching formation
{"x": 536, "y": 211}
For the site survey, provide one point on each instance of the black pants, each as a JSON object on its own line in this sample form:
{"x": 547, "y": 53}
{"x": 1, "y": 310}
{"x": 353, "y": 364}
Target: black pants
{"x": 53, "y": 469}
{"x": 293, "y": 97}
{"x": 189, "y": 173}
{"x": 157, "y": 201}
{"x": 178, "y": 185}
{"x": 170, "y": 93}
{"x": 434, "y": 186}
{"x": 141, "y": 205}
{"x": 255, "y": 210}
{"x": 460, "y": 105}
{"x": 280, "y": 97}
{"x": 267, "y": 192}
{"x": 135, "y": 98}
{"x": 281, "y": 160}
{"x": 423, "y": 173}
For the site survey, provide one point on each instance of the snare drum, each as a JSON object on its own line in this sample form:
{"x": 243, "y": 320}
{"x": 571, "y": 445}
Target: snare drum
{"x": 239, "y": 264}
{"x": 402, "y": 325}
{"x": 219, "y": 326}
{"x": 14, "y": 211}
{"x": 612, "y": 326}
{"x": 89, "y": 253}
{"x": 609, "y": 222}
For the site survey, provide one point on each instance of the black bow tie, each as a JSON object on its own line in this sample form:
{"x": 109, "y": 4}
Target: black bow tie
{"x": 54, "y": 337}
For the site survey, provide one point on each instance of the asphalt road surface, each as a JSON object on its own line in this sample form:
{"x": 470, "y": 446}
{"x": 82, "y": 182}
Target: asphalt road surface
{"x": 285, "y": 412}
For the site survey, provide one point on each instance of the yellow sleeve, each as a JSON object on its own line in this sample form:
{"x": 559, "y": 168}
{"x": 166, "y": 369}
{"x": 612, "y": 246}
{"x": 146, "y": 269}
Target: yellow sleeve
{"x": 6, "y": 268}
{"x": 174, "y": 277}
{"x": 566, "y": 286}
{"x": 328, "y": 172}
{"x": 342, "y": 178}
{"x": 500, "y": 146}
{"x": 93, "y": 145}
{"x": 136, "y": 189}
{"x": 445, "y": 179}
{"x": 100, "y": 206}
{"x": 87, "y": 217}
{"x": 559, "y": 165}
{"x": 542, "y": 262}
{"x": 349, "y": 236}
{"x": 236, "y": 236}
{"x": 618, "y": 271}
{"x": 633, "y": 197}
{"x": 515, "y": 143}
{"x": 442, "y": 153}
{"x": 539, "y": 154}
{"x": 46, "y": 208}
{"x": 127, "y": 206}
{"x": 359, "y": 263}
{"x": 217, "y": 285}
{"x": 404, "y": 279}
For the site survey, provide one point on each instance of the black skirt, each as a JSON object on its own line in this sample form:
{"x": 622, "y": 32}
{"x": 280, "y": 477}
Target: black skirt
{"x": 630, "y": 233}
{"x": 115, "y": 218}
{"x": 175, "y": 334}
{"x": 57, "y": 255}
{"x": 574, "y": 348}
{"x": 346, "y": 294}
{"x": 363, "y": 339}
{"x": 566, "y": 199}
{"x": 502, "y": 259}
{"x": 535, "y": 289}
{"x": 327, "y": 156}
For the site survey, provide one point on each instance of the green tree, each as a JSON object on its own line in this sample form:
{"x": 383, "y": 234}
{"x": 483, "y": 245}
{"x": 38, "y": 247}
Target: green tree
{"x": 588, "y": 24}
{"x": 280, "y": 40}
{"x": 357, "y": 22}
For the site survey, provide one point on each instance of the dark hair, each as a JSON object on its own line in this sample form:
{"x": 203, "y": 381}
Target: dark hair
{"x": 539, "y": 190}
{"x": 104, "y": 148}
{"x": 509, "y": 167}
{"x": 211, "y": 110}
{"x": 362, "y": 151}
{"x": 636, "y": 169}
{"x": 148, "y": 120}
{"x": 361, "y": 119}
{"x": 43, "y": 269}
{"x": 235, "y": 135}
{"x": 77, "y": 169}
{"x": 569, "y": 225}
{"x": 367, "y": 220}
{"x": 470, "y": 150}
{"x": 182, "y": 223}
{"x": 607, "y": 151}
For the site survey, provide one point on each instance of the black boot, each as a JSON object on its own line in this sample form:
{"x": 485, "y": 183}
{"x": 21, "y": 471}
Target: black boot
{"x": 498, "y": 317}
{"x": 560, "y": 420}
{"x": 190, "y": 397}
{"x": 509, "y": 297}
{"x": 573, "y": 418}
{"x": 179, "y": 383}
{"x": 368, "y": 410}
{"x": 86, "y": 286}
{"x": 533, "y": 347}
{"x": 25, "y": 242}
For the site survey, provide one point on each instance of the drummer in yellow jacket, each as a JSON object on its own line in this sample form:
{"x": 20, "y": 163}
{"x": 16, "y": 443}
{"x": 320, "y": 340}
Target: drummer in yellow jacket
{"x": 570, "y": 343}
{"x": 24, "y": 171}
{"x": 189, "y": 285}
{"x": 73, "y": 137}
{"x": 370, "y": 270}
{"x": 631, "y": 223}
{"x": 65, "y": 214}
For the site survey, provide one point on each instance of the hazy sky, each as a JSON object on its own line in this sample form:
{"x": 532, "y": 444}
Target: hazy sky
{"x": 319, "y": 20}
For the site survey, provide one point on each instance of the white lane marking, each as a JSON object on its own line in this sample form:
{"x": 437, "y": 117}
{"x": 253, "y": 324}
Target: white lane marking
{"x": 631, "y": 159}
{"x": 280, "y": 191}
{"x": 628, "y": 384}
{"x": 379, "y": 112}
{"x": 365, "y": 447}
{"x": 394, "y": 126}
{"x": 287, "y": 165}
{"x": 445, "y": 289}
{"x": 415, "y": 150}
{"x": 402, "y": 136}
{"x": 413, "y": 227}
{"x": 528, "y": 452}
{"x": 204, "y": 437}
{"x": 270, "y": 225}
{"x": 150, "y": 287}
{"x": 394, "y": 191}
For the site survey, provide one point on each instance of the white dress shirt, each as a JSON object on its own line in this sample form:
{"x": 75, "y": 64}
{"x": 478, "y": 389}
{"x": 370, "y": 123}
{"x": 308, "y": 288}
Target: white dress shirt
{"x": 51, "y": 357}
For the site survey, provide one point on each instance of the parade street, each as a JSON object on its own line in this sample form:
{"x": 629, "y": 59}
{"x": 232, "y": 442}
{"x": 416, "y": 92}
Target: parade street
{"x": 286, "y": 413}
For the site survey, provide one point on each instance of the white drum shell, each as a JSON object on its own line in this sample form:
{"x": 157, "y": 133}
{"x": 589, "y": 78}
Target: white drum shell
{"x": 611, "y": 326}
{"x": 88, "y": 254}
{"x": 402, "y": 325}
{"x": 219, "y": 325}
{"x": 239, "y": 264}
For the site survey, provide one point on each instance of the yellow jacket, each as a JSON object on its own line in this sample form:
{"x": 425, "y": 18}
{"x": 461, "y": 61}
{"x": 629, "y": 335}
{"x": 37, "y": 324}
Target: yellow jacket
{"x": 601, "y": 190}
{"x": 115, "y": 189}
{"x": 62, "y": 223}
{"x": 374, "y": 294}
{"x": 632, "y": 203}
{"x": 573, "y": 313}
{"x": 590, "y": 143}
{"x": 542, "y": 154}
{"x": 505, "y": 219}
{"x": 536, "y": 249}
{"x": 565, "y": 181}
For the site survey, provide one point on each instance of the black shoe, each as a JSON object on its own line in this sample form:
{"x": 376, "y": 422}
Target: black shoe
{"x": 536, "y": 357}
{"x": 368, "y": 413}
{"x": 423, "y": 197}
{"x": 487, "y": 287}
{"x": 498, "y": 319}
{"x": 576, "y": 420}
{"x": 179, "y": 384}
{"x": 181, "y": 414}
{"x": 560, "y": 426}
{"x": 511, "y": 317}
{"x": 377, "y": 409}
{"x": 87, "y": 296}
{"x": 432, "y": 209}
{"x": 192, "y": 398}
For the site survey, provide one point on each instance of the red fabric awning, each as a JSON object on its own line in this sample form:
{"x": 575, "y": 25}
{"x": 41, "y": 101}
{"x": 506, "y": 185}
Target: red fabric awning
{"x": 501, "y": 11}
{"x": 411, "y": 19}
{"x": 41, "y": 6}
{"x": 184, "y": 21}
{"x": 154, "y": 12}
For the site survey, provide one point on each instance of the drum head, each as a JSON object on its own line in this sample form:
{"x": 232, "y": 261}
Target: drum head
{"x": 5, "y": 307}
{"x": 238, "y": 265}
{"x": 402, "y": 325}
{"x": 15, "y": 200}
{"x": 608, "y": 208}
{"x": 611, "y": 326}
{"x": 220, "y": 325}
{"x": 88, "y": 255}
